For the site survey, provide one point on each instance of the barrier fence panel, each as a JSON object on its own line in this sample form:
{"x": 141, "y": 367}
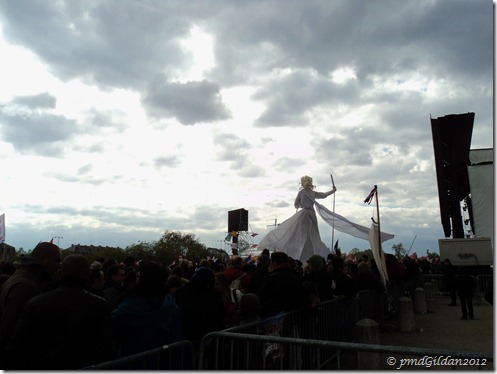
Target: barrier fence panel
{"x": 484, "y": 285}
{"x": 441, "y": 282}
{"x": 330, "y": 320}
{"x": 348, "y": 355}
{"x": 175, "y": 356}
{"x": 370, "y": 305}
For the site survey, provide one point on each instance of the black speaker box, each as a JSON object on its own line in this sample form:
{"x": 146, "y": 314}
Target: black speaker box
{"x": 238, "y": 220}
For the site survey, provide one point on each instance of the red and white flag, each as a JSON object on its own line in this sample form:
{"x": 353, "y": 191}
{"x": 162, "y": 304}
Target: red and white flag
{"x": 368, "y": 199}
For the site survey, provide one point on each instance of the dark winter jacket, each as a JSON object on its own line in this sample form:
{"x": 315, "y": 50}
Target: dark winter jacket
{"x": 201, "y": 307}
{"x": 256, "y": 279}
{"x": 369, "y": 281}
{"x": 344, "y": 285}
{"x": 27, "y": 282}
{"x": 465, "y": 284}
{"x": 141, "y": 324}
{"x": 281, "y": 290}
{"x": 323, "y": 281}
{"x": 64, "y": 329}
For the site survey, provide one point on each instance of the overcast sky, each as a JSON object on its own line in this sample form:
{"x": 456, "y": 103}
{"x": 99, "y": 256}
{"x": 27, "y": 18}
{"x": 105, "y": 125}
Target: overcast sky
{"x": 122, "y": 119}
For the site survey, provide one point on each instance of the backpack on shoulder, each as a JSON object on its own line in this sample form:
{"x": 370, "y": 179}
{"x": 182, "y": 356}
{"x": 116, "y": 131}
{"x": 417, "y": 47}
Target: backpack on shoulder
{"x": 236, "y": 283}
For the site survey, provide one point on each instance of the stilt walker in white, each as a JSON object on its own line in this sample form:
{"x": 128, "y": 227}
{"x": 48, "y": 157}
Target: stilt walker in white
{"x": 299, "y": 237}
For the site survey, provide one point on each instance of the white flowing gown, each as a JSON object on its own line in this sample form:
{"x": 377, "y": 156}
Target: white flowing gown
{"x": 298, "y": 236}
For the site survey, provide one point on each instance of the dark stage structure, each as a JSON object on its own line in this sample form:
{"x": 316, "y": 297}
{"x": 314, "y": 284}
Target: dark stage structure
{"x": 451, "y": 143}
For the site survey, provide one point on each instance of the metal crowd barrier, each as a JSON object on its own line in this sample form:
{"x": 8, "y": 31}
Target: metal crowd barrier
{"x": 441, "y": 285}
{"x": 348, "y": 355}
{"x": 484, "y": 284}
{"x": 175, "y": 356}
{"x": 371, "y": 305}
{"x": 290, "y": 340}
{"x": 333, "y": 320}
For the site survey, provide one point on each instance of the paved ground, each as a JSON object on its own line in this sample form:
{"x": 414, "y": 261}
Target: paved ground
{"x": 443, "y": 329}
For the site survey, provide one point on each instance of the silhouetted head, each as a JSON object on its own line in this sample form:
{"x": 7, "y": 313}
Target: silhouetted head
{"x": 48, "y": 255}
{"x": 152, "y": 281}
{"x": 279, "y": 258}
{"x": 74, "y": 271}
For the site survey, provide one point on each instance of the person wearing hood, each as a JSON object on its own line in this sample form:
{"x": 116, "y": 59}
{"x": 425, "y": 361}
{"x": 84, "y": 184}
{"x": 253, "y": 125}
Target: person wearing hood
{"x": 34, "y": 276}
{"x": 315, "y": 271}
{"x": 147, "y": 317}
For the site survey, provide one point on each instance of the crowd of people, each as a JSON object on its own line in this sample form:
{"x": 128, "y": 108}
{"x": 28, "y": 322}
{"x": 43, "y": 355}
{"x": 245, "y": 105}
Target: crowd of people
{"x": 70, "y": 314}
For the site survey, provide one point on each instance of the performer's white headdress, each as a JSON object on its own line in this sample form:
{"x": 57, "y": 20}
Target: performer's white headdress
{"x": 306, "y": 183}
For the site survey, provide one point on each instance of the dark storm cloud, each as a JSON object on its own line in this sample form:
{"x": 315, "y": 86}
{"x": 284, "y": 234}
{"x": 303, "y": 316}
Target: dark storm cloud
{"x": 110, "y": 43}
{"x": 438, "y": 40}
{"x": 114, "y": 45}
{"x": 190, "y": 102}
{"x": 167, "y": 161}
{"x": 278, "y": 204}
{"x": 118, "y": 226}
{"x": 289, "y": 98}
{"x": 127, "y": 44}
{"x": 236, "y": 151}
{"x": 42, "y": 134}
{"x": 231, "y": 147}
{"x": 209, "y": 217}
{"x": 115, "y": 226}
{"x": 105, "y": 216}
{"x": 286, "y": 52}
{"x": 85, "y": 169}
{"x": 352, "y": 153}
{"x": 83, "y": 178}
{"x": 43, "y": 101}
{"x": 377, "y": 37}
{"x": 110, "y": 121}
{"x": 287, "y": 163}
{"x": 26, "y": 123}
{"x": 83, "y": 175}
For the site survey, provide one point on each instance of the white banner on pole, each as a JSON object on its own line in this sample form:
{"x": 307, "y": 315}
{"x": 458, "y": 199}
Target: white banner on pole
{"x": 2, "y": 227}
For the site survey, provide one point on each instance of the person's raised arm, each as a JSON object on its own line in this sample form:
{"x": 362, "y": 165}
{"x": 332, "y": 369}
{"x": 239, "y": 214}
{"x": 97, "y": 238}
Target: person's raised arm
{"x": 322, "y": 195}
